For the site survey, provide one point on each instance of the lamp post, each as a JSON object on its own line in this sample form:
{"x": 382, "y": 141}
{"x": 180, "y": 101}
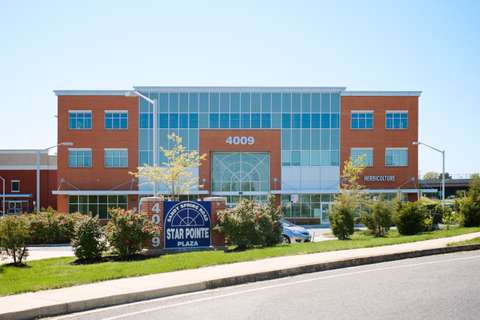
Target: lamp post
{"x": 38, "y": 153}
{"x": 443, "y": 167}
{"x": 154, "y": 138}
{"x": 3, "y": 202}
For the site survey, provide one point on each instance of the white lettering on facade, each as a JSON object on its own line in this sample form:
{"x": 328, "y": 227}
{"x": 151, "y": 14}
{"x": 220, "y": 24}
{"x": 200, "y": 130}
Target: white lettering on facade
{"x": 379, "y": 178}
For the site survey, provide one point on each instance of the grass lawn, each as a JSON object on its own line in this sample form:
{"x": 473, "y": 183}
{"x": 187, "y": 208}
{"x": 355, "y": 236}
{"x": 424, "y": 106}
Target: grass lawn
{"x": 466, "y": 242}
{"x": 60, "y": 272}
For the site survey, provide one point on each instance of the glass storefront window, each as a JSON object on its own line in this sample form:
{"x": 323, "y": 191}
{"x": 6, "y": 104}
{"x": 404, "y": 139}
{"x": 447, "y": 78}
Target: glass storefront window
{"x": 241, "y": 172}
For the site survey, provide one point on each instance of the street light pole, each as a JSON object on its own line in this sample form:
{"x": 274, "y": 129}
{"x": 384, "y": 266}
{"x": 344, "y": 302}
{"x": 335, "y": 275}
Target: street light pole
{"x": 154, "y": 138}
{"x": 443, "y": 167}
{"x": 38, "y": 154}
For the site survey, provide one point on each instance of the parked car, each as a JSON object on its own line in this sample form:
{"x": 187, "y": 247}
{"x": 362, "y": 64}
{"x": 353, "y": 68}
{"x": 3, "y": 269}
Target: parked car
{"x": 292, "y": 233}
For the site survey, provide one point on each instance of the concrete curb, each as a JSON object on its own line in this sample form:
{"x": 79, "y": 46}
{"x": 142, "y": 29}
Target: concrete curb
{"x": 88, "y": 304}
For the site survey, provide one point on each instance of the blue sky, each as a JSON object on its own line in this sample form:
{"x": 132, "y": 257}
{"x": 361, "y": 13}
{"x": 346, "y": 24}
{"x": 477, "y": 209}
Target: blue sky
{"x": 432, "y": 46}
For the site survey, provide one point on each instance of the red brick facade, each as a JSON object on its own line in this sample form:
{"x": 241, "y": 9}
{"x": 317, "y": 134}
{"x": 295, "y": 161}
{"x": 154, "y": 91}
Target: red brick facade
{"x": 97, "y": 138}
{"x": 380, "y": 138}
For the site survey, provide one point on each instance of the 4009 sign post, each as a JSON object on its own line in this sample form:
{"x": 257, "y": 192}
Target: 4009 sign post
{"x": 187, "y": 224}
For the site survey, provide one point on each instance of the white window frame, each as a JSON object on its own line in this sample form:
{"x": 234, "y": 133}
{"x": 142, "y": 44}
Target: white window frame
{"x": 113, "y": 149}
{"x": 11, "y": 185}
{"x": 114, "y": 111}
{"x": 395, "y": 166}
{"x": 80, "y": 149}
{"x": 397, "y": 111}
{"x": 80, "y": 111}
{"x": 361, "y": 149}
{"x": 362, "y": 111}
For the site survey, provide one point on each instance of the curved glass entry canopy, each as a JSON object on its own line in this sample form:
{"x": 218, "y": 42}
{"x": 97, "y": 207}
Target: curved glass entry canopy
{"x": 240, "y": 173}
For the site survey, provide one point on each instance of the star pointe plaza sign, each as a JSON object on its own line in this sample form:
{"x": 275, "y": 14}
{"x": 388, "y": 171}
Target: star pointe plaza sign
{"x": 187, "y": 224}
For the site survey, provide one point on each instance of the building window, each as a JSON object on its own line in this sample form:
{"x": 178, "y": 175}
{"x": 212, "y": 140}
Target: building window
{"x": 307, "y": 206}
{"x": 361, "y": 120}
{"x": 80, "y": 158}
{"x": 241, "y": 172}
{"x": 95, "y": 205}
{"x": 80, "y": 119}
{"x": 396, "y": 120}
{"x": 116, "y": 158}
{"x": 366, "y": 153}
{"x": 396, "y": 157}
{"x": 15, "y": 185}
{"x": 116, "y": 119}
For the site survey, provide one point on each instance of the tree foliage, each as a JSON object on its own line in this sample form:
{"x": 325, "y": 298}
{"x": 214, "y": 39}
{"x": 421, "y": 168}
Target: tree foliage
{"x": 378, "y": 218}
{"x": 175, "y": 174}
{"x": 350, "y": 201}
{"x": 469, "y": 206}
{"x": 431, "y": 175}
{"x": 14, "y": 236}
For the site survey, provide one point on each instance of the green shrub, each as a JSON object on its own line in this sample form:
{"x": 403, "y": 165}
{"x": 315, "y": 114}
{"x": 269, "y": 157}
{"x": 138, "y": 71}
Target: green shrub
{"x": 88, "y": 240}
{"x": 342, "y": 215}
{"x": 469, "y": 206}
{"x": 379, "y": 218}
{"x": 52, "y": 227}
{"x": 249, "y": 224}
{"x": 450, "y": 217}
{"x": 269, "y": 227}
{"x": 14, "y": 237}
{"x": 410, "y": 218}
{"x": 128, "y": 231}
{"x": 469, "y": 212}
{"x": 434, "y": 211}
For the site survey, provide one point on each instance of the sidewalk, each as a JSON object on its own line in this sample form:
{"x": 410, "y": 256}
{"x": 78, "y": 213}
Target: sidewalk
{"x": 84, "y": 297}
{"x": 39, "y": 252}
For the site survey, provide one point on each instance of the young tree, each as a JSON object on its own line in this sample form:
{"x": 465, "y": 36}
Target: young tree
{"x": 431, "y": 175}
{"x": 350, "y": 201}
{"x": 175, "y": 173}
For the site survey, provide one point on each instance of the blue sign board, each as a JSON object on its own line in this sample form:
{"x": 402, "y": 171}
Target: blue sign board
{"x": 187, "y": 224}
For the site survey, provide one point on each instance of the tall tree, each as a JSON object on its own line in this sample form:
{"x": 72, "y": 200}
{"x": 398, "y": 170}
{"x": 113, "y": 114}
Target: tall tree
{"x": 176, "y": 172}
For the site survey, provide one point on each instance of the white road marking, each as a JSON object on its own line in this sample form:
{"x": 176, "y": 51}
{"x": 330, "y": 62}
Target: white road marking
{"x": 174, "y": 305}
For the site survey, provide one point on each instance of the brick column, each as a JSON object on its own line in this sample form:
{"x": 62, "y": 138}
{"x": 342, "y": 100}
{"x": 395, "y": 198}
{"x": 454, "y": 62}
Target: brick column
{"x": 153, "y": 208}
{"x": 218, "y": 204}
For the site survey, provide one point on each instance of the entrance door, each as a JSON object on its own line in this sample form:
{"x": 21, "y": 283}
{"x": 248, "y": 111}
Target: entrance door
{"x": 325, "y": 208}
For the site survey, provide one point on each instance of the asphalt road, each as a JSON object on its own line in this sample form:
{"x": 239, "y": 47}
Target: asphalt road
{"x": 435, "y": 287}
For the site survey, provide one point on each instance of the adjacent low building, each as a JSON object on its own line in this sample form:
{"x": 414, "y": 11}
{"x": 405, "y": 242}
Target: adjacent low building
{"x": 289, "y": 142}
{"x": 18, "y": 180}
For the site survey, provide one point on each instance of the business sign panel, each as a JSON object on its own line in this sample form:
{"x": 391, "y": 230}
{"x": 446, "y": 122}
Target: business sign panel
{"x": 187, "y": 224}
{"x": 379, "y": 178}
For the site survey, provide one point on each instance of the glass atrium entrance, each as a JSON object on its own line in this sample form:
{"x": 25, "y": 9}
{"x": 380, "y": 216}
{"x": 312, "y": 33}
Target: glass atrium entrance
{"x": 237, "y": 175}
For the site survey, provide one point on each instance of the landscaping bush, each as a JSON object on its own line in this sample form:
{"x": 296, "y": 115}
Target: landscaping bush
{"x": 410, "y": 218}
{"x": 434, "y": 211}
{"x": 52, "y": 227}
{"x": 450, "y": 217}
{"x": 342, "y": 214}
{"x": 469, "y": 212}
{"x": 249, "y": 224}
{"x": 14, "y": 237}
{"x": 88, "y": 240}
{"x": 379, "y": 218}
{"x": 128, "y": 231}
{"x": 469, "y": 206}
{"x": 269, "y": 227}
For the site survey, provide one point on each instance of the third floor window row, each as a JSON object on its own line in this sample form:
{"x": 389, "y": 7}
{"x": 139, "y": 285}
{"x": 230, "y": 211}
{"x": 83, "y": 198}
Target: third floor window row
{"x": 242, "y": 120}
{"x": 82, "y": 119}
{"x": 393, "y": 120}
